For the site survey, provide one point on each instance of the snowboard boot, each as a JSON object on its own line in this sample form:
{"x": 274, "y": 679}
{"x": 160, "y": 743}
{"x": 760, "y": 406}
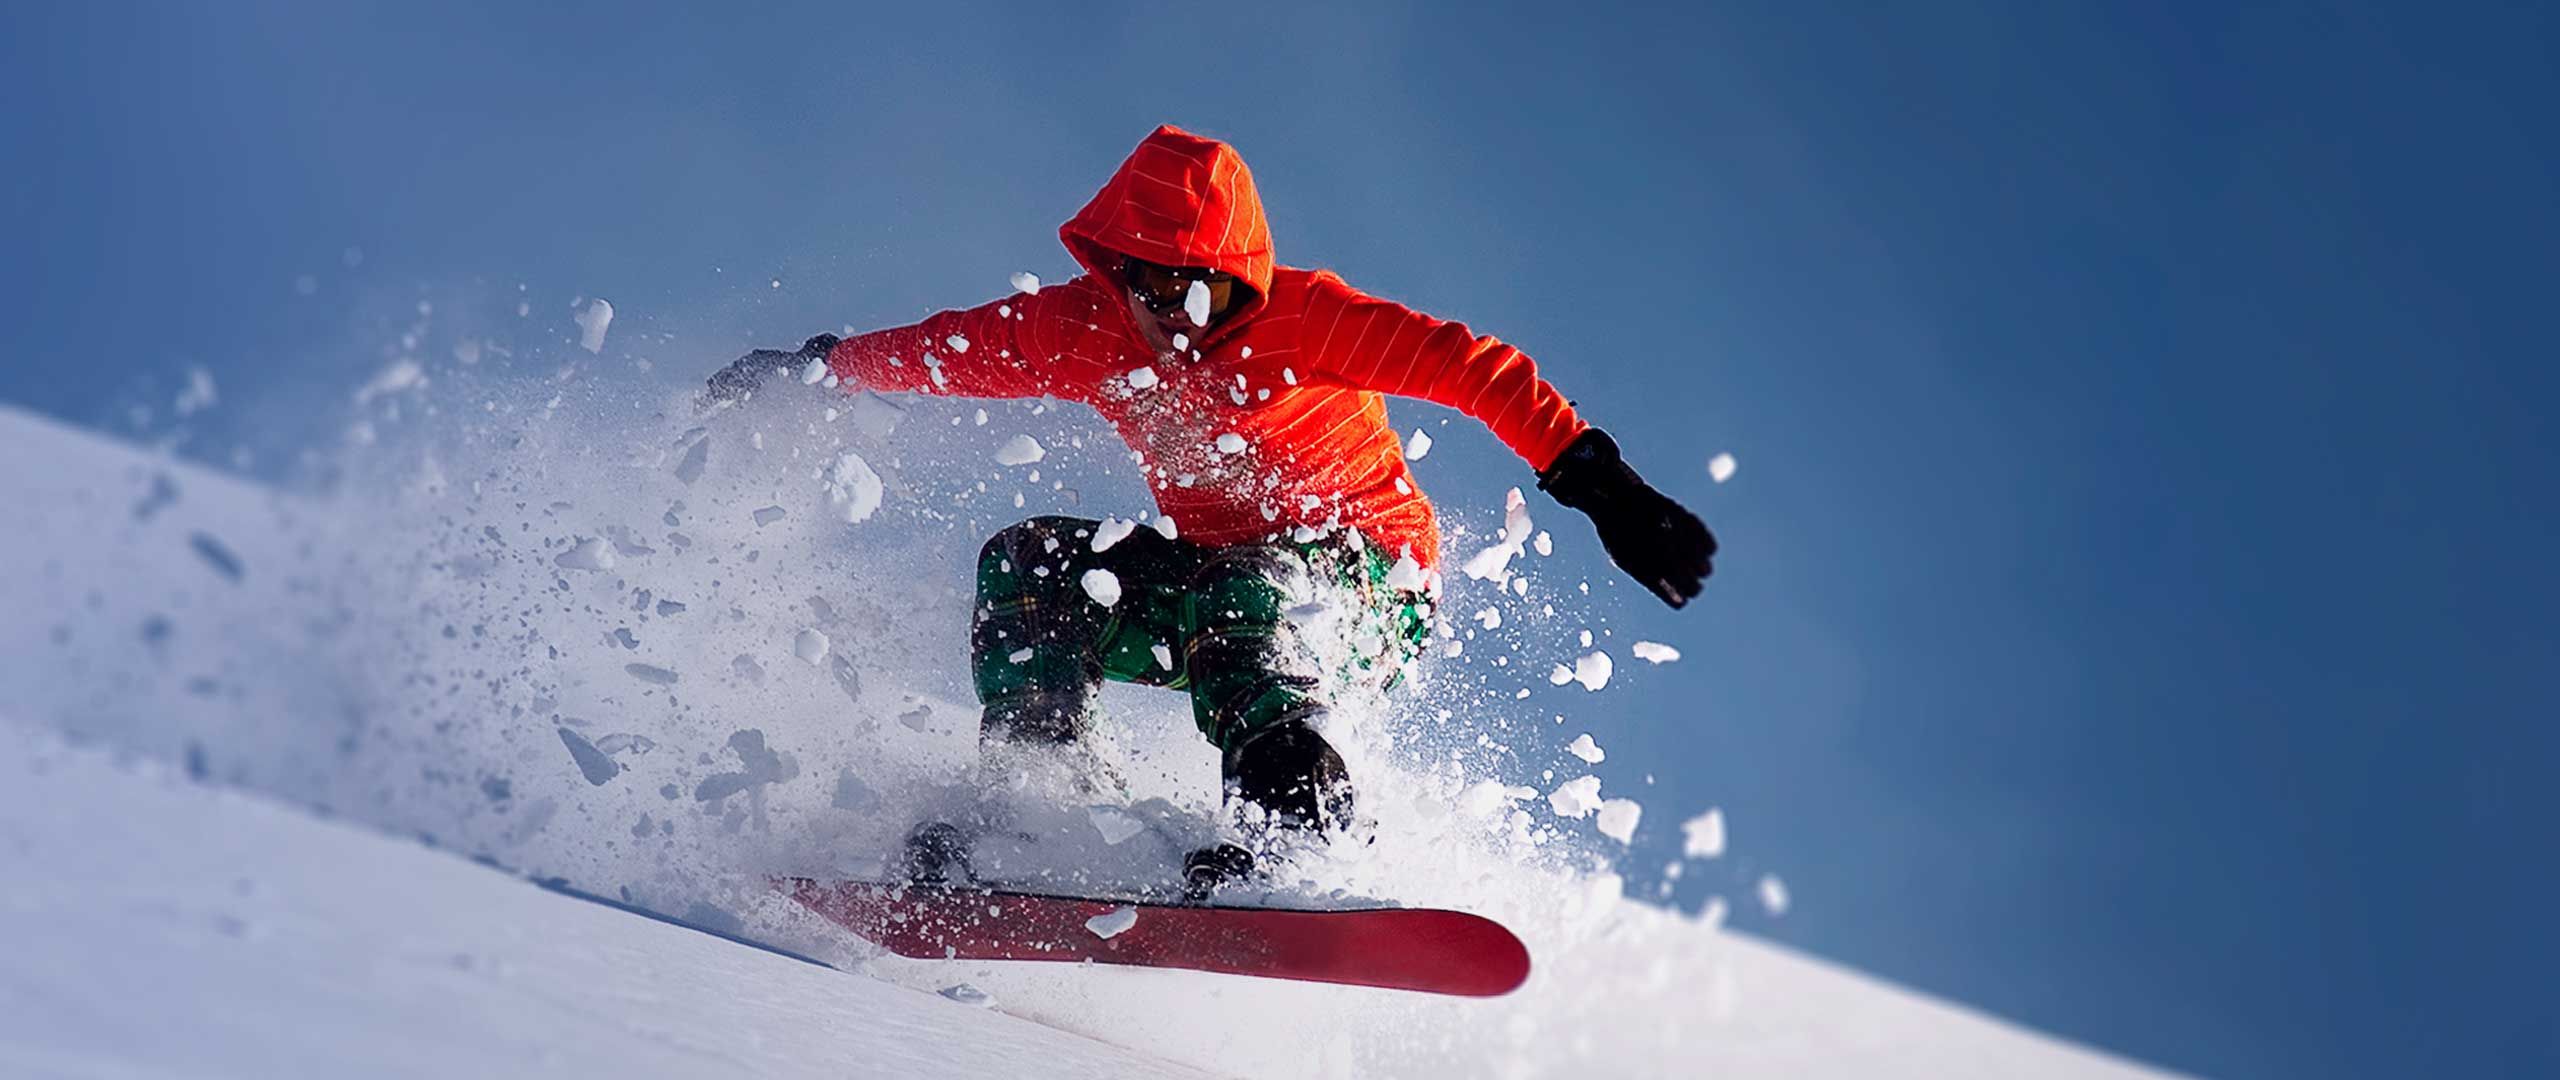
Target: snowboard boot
{"x": 1293, "y": 775}
{"x": 1037, "y": 743}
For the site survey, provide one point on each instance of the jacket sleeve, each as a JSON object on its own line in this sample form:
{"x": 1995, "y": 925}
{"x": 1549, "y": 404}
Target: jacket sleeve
{"x": 1373, "y": 344}
{"x": 972, "y": 352}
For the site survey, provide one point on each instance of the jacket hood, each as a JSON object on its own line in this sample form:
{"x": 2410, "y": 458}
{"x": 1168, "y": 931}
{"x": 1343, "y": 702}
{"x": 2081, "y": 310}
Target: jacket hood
{"x": 1179, "y": 200}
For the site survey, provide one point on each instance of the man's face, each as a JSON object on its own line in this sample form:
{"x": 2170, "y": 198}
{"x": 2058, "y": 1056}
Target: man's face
{"x": 1178, "y": 302}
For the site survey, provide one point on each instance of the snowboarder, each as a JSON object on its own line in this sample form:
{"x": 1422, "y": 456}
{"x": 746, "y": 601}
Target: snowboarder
{"x": 1254, "y": 395}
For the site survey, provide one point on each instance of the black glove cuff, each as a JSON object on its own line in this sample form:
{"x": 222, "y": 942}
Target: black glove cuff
{"x": 1588, "y": 472}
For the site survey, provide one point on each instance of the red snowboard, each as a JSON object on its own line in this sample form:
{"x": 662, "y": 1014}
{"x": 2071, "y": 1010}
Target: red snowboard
{"x": 1439, "y": 952}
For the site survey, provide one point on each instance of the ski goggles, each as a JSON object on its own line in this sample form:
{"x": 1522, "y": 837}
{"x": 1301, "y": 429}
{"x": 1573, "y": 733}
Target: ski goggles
{"x": 1164, "y": 289}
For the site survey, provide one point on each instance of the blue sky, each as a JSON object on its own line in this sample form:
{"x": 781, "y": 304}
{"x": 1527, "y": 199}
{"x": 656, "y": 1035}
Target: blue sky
{"x": 2136, "y": 612}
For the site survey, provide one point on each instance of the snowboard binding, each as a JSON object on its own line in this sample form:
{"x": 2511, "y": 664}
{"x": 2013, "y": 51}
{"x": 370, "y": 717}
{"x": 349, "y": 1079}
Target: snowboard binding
{"x": 937, "y": 856}
{"x": 1203, "y": 871}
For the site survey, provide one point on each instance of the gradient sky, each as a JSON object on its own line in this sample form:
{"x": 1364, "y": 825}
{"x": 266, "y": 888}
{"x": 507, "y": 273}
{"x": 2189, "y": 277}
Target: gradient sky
{"x": 2137, "y": 610}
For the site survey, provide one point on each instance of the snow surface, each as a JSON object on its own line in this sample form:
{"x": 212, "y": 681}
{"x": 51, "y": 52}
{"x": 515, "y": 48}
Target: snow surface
{"x": 402, "y": 651}
{"x": 157, "y": 927}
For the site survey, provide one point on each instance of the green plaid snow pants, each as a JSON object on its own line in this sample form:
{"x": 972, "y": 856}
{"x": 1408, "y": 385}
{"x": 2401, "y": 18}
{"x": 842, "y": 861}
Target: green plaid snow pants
{"x": 1231, "y": 625}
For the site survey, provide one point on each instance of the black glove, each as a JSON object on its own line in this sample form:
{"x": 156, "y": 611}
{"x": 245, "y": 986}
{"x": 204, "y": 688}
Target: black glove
{"x": 1659, "y": 541}
{"x": 744, "y": 375}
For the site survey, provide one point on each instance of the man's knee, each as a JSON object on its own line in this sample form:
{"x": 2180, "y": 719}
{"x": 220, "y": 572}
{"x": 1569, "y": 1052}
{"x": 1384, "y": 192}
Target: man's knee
{"x": 1025, "y": 543}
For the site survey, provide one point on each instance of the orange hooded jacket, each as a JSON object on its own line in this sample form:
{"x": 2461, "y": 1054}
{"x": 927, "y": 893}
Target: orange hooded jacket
{"x": 1297, "y": 375}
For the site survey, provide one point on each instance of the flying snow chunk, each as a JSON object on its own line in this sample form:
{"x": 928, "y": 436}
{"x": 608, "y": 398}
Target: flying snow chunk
{"x": 593, "y": 763}
{"x": 1020, "y": 450}
{"x": 1773, "y": 894}
{"x": 815, "y": 373}
{"x": 1490, "y": 618}
{"x": 1618, "y": 819}
{"x": 1654, "y": 652}
{"x": 1559, "y": 675}
{"x": 218, "y": 556}
{"x": 1111, "y": 531}
{"x": 873, "y": 416}
{"x": 1103, "y": 586}
{"x": 1027, "y": 284}
{"x": 590, "y": 553}
{"x": 1721, "y": 467}
{"x": 1116, "y": 826}
{"x": 1113, "y": 923}
{"x": 1231, "y": 443}
{"x": 1195, "y": 303}
{"x": 1164, "y": 656}
{"x": 1407, "y": 574}
{"x": 1143, "y": 379}
{"x": 1576, "y": 798}
{"x": 810, "y": 646}
{"x": 1483, "y": 797}
{"x": 1019, "y": 655}
{"x": 958, "y": 344}
{"x": 1165, "y": 527}
{"x": 1702, "y": 837}
{"x": 198, "y": 395}
{"x": 854, "y": 488}
{"x": 1417, "y": 446}
{"x": 1592, "y": 671}
{"x": 1494, "y": 563}
{"x": 592, "y": 321}
{"x": 401, "y": 375}
{"x": 1583, "y": 747}
{"x": 1545, "y": 544}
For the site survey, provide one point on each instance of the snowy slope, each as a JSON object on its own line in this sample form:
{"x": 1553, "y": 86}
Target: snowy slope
{"x": 665, "y": 667}
{"x": 161, "y": 928}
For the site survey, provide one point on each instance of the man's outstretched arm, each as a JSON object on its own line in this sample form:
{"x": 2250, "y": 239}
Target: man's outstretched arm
{"x": 1381, "y": 345}
{"x": 970, "y": 352}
